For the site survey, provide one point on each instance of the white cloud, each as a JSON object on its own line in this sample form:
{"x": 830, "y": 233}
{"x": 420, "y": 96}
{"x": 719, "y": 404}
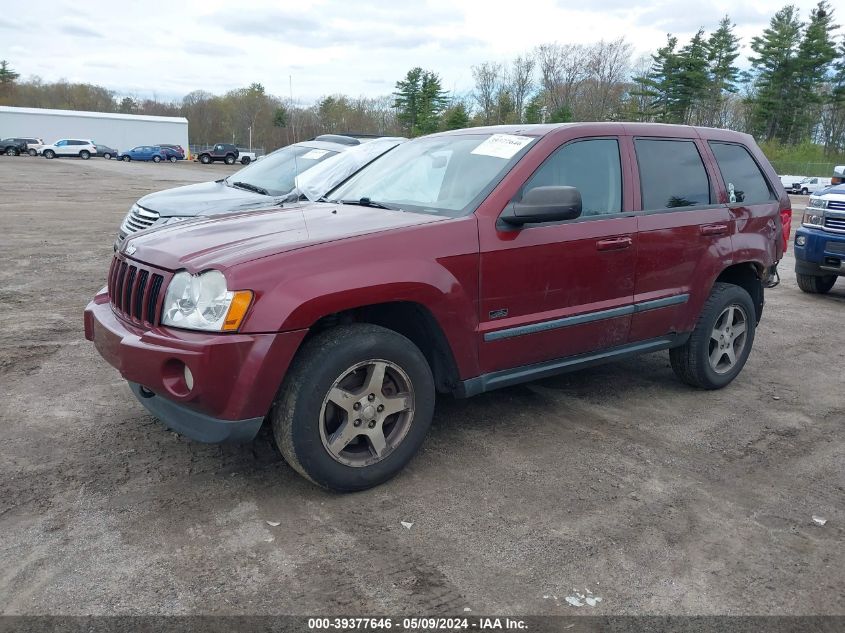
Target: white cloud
{"x": 325, "y": 46}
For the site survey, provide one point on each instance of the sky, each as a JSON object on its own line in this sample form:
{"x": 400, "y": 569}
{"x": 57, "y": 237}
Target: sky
{"x": 153, "y": 48}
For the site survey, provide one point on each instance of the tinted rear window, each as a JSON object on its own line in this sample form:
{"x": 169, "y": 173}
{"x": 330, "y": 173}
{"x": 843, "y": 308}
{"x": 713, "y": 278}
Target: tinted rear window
{"x": 741, "y": 174}
{"x": 672, "y": 174}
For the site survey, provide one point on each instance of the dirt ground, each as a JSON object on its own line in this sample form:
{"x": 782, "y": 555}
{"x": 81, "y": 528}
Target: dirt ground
{"x": 618, "y": 480}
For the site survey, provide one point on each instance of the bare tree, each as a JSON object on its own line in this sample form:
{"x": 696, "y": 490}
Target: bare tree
{"x": 563, "y": 69}
{"x": 487, "y": 78}
{"x": 608, "y": 64}
{"x": 521, "y": 83}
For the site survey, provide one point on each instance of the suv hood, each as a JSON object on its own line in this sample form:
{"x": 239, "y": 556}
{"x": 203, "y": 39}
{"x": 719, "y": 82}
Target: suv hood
{"x": 204, "y": 198}
{"x": 225, "y": 241}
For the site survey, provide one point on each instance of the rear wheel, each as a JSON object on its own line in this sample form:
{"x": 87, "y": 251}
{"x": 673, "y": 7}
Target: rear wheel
{"x": 815, "y": 284}
{"x": 156, "y": 159}
{"x": 85, "y": 154}
{"x": 48, "y": 153}
{"x": 804, "y": 191}
{"x": 719, "y": 345}
{"x": 245, "y": 160}
{"x": 205, "y": 159}
{"x": 172, "y": 159}
{"x": 10, "y": 151}
{"x": 107, "y": 156}
{"x": 354, "y": 408}
{"x": 33, "y": 152}
{"x": 127, "y": 158}
{"x": 230, "y": 159}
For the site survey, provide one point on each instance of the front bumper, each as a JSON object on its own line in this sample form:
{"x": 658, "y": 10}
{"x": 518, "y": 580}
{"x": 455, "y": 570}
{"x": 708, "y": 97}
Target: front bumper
{"x": 235, "y": 376}
{"x": 823, "y": 252}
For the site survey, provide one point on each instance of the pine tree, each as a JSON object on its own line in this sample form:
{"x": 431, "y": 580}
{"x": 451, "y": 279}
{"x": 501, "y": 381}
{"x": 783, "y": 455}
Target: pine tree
{"x": 534, "y": 109}
{"x": 815, "y": 54}
{"x": 723, "y": 74}
{"x": 659, "y": 86}
{"x": 691, "y": 82}
{"x": 419, "y": 100}
{"x": 8, "y": 77}
{"x": 455, "y": 117}
{"x": 776, "y": 66}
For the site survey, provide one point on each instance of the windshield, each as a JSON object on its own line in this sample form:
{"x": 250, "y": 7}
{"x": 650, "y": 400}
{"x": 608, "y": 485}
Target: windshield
{"x": 446, "y": 175}
{"x": 276, "y": 173}
{"x": 317, "y": 182}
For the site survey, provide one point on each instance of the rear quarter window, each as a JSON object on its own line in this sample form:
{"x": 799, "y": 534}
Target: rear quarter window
{"x": 743, "y": 179}
{"x": 672, "y": 174}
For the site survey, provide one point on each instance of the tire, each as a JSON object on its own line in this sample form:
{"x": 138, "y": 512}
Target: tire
{"x": 33, "y": 152}
{"x": 85, "y": 154}
{"x": 804, "y": 192}
{"x": 815, "y": 284}
{"x": 205, "y": 159}
{"x": 156, "y": 159}
{"x": 107, "y": 156}
{"x": 693, "y": 361}
{"x": 172, "y": 159}
{"x": 245, "y": 160}
{"x": 48, "y": 153}
{"x": 306, "y": 421}
{"x": 126, "y": 159}
{"x": 10, "y": 151}
{"x": 230, "y": 159}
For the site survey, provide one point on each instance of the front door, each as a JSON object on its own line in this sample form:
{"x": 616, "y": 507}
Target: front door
{"x": 559, "y": 289}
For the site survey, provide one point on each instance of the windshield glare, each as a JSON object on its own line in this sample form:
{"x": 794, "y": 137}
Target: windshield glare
{"x": 446, "y": 175}
{"x": 277, "y": 172}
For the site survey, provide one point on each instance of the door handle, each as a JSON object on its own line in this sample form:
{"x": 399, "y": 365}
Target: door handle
{"x": 714, "y": 229}
{"x": 614, "y": 243}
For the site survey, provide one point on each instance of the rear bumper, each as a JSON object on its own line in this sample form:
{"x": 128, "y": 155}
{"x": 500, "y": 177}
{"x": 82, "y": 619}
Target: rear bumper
{"x": 234, "y": 377}
{"x": 822, "y": 253}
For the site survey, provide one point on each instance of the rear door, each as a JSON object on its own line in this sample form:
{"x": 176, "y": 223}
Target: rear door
{"x": 684, "y": 235}
{"x": 554, "y": 290}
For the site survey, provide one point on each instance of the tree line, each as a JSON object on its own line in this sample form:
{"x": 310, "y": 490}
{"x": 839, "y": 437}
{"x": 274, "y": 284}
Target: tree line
{"x": 792, "y": 91}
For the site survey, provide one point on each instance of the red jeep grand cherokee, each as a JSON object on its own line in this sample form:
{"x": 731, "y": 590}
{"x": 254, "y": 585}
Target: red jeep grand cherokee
{"x": 459, "y": 262}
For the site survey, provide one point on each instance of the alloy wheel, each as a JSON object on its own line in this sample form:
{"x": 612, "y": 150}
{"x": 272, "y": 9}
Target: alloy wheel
{"x": 727, "y": 340}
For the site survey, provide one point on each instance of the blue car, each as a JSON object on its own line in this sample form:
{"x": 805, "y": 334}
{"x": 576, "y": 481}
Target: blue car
{"x": 820, "y": 241}
{"x": 146, "y": 152}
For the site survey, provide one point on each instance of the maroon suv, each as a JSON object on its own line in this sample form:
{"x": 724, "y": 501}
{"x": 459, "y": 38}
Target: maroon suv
{"x": 459, "y": 263}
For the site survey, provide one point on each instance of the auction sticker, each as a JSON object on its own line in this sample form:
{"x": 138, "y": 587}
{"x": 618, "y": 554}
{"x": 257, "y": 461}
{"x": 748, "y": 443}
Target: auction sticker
{"x": 314, "y": 154}
{"x": 502, "y": 145}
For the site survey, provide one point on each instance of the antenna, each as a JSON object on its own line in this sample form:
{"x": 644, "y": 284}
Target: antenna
{"x": 295, "y": 165}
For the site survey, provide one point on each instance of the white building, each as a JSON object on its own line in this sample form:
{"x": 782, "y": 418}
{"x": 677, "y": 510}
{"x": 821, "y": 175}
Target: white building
{"x": 120, "y": 131}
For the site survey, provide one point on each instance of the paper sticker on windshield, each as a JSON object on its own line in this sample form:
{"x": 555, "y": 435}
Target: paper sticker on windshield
{"x": 502, "y": 145}
{"x": 314, "y": 154}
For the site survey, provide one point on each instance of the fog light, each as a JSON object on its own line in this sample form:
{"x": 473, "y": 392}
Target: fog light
{"x": 801, "y": 240}
{"x": 189, "y": 378}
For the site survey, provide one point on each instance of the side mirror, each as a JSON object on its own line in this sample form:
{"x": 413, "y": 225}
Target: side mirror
{"x": 544, "y": 204}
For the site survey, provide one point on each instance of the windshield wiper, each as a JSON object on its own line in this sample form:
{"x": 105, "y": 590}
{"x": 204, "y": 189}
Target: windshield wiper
{"x": 366, "y": 202}
{"x": 249, "y": 187}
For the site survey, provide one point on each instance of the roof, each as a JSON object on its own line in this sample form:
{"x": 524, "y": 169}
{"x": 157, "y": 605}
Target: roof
{"x": 630, "y": 127}
{"x": 93, "y": 115}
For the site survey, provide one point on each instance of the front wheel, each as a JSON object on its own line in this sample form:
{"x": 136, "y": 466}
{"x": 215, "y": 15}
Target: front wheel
{"x": 172, "y": 159}
{"x": 33, "y": 152}
{"x": 156, "y": 159}
{"x": 205, "y": 159}
{"x": 230, "y": 159}
{"x": 245, "y": 160}
{"x": 127, "y": 158}
{"x": 815, "y": 284}
{"x": 10, "y": 151}
{"x": 719, "y": 345}
{"x": 107, "y": 156}
{"x": 49, "y": 153}
{"x": 354, "y": 408}
{"x": 804, "y": 191}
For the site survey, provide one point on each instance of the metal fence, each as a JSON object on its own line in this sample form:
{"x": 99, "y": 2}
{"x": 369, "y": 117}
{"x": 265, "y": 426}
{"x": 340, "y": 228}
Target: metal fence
{"x": 800, "y": 168}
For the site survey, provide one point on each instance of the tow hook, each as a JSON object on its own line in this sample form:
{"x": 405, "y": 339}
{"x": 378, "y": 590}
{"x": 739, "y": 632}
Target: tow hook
{"x": 772, "y": 277}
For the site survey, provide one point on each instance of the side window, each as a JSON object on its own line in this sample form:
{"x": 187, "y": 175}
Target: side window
{"x": 672, "y": 174}
{"x": 741, "y": 174}
{"x": 593, "y": 167}
{"x": 61, "y": 143}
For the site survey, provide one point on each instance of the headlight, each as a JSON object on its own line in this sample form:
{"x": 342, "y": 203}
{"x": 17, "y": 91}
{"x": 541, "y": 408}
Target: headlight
{"x": 817, "y": 203}
{"x": 813, "y": 217}
{"x": 202, "y": 302}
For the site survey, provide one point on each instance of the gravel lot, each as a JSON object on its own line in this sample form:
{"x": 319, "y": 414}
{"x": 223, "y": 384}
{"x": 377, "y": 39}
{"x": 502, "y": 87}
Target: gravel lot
{"x": 655, "y": 497}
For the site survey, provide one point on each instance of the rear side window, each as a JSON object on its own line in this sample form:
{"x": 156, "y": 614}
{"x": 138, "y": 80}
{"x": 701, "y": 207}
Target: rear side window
{"x": 743, "y": 178}
{"x": 593, "y": 167}
{"x": 672, "y": 174}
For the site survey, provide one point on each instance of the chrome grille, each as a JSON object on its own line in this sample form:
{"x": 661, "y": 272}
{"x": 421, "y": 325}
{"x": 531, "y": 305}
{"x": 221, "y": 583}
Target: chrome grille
{"x": 138, "y": 219}
{"x": 836, "y": 205}
{"x": 834, "y": 223}
{"x": 135, "y": 291}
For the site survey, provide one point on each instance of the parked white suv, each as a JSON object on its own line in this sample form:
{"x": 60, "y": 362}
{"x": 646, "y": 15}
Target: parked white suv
{"x": 84, "y": 148}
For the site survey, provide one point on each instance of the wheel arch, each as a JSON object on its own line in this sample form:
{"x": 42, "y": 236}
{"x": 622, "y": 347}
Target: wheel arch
{"x": 749, "y": 276}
